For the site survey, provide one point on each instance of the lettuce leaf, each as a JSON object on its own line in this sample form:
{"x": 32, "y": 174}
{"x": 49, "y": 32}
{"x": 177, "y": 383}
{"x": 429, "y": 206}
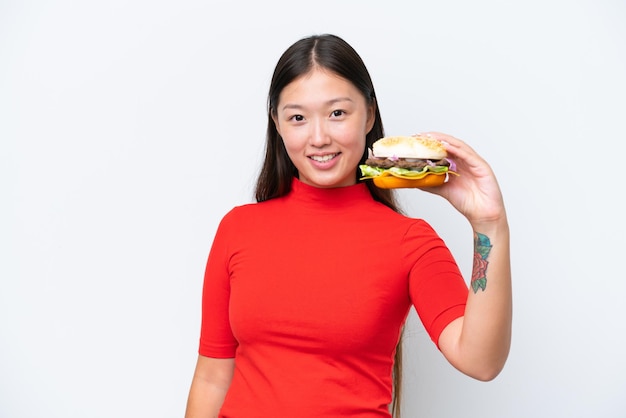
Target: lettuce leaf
{"x": 371, "y": 172}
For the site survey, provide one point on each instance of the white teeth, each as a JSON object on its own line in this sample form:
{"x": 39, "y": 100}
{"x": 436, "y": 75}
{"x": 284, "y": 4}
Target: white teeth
{"x": 323, "y": 158}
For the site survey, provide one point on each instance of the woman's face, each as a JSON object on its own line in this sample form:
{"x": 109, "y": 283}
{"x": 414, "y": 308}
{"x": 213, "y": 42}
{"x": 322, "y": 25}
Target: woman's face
{"x": 323, "y": 120}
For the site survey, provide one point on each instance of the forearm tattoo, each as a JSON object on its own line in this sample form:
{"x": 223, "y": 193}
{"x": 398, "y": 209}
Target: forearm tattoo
{"x": 482, "y": 247}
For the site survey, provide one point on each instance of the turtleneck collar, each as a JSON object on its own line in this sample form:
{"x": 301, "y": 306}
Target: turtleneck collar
{"x": 329, "y": 197}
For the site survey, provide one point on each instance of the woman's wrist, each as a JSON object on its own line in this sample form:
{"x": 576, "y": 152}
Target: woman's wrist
{"x": 497, "y": 225}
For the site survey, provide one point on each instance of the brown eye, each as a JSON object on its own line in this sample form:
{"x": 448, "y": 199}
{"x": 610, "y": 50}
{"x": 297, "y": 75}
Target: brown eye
{"x": 338, "y": 113}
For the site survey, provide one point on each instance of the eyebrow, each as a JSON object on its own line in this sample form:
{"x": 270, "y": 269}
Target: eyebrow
{"x": 328, "y": 103}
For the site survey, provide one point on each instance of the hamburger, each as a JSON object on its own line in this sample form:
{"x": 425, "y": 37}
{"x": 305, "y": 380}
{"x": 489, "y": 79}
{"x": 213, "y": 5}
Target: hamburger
{"x": 407, "y": 162}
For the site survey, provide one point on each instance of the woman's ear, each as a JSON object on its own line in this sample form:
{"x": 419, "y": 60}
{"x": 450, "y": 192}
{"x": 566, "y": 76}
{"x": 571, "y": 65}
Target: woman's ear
{"x": 371, "y": 116}
{"x": 275, "y": 119}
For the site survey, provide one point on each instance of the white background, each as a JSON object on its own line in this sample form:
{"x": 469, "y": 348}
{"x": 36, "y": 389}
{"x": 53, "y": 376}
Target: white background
{"x": 128, "y": 128}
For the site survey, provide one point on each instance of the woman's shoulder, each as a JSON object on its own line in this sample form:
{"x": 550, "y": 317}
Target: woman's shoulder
{"x": 251, "y": 212}
{"x": 411, "y": 225}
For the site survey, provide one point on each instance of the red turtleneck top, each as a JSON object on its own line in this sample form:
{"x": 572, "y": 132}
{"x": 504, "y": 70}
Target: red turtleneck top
{"x": 308, "y": 292}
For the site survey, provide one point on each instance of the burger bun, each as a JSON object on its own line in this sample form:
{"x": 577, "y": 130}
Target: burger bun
{"x": 421, "y": 147}
{"x": 392, "y": 182}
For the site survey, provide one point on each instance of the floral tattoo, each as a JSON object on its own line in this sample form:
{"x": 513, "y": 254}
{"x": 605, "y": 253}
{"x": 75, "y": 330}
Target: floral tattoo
{"x": 482, "y": 247}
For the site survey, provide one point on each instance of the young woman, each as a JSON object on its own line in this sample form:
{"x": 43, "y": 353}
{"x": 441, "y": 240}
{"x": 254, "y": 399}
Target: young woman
{"x": 307, "y": 290}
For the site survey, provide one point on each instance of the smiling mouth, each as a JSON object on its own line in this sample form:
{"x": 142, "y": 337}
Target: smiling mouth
{"x": 323, "y": 158}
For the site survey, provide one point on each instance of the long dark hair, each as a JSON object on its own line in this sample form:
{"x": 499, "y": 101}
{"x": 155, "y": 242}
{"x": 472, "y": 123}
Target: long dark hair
{"x": 335, "y": 55}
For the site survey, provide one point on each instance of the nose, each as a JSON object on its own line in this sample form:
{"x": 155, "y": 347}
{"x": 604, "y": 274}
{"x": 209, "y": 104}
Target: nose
{"x": 319, "y": 135}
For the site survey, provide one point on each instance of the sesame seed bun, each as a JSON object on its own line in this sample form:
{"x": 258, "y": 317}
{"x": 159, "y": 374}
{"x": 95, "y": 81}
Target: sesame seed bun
{"x": 409, "y": 147}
